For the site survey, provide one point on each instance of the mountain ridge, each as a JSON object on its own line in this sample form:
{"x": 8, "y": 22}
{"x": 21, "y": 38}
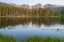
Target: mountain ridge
{"x": 36, "y": 6}
{"x": 4, "y": 4}
{"x": 39, "y": 5}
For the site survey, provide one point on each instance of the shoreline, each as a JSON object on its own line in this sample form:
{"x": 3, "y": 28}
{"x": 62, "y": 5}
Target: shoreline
{"x": 30, "y": 16}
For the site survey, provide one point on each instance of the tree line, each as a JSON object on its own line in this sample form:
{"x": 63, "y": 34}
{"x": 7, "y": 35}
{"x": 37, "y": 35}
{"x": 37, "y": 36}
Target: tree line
{"x": 16, "y": 11}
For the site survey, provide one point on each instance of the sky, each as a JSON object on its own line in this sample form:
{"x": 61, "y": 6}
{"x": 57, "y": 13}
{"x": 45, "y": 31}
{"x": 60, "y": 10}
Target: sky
{"x": 32, "y": 2}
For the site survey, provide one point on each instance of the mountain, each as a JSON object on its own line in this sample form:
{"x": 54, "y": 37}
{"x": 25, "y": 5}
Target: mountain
{"x": 39, "y": 5}
{"x": 25, "y": 6}
{"x": 15, "y": 5}
{"x": 36, "y": 6}
{"x": 4, "y": 4}
{"x": 55, "y": 7}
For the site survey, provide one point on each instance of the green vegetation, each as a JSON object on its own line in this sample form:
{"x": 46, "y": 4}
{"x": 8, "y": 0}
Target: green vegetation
{"x": 5, "y": 38}
{"x": 62, "y": 13}
{"x": 16, "y": 11}
{"x": 7, "y": 10}
{"x": 4, "y": 4}
{"x": 45, "y": 39}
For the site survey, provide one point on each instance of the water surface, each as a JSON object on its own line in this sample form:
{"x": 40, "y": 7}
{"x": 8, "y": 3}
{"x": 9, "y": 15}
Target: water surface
{"x": 22, "y": 28}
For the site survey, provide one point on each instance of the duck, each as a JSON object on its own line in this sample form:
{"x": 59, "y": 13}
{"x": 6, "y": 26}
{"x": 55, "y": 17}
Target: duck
{"x": 58, "y": 29}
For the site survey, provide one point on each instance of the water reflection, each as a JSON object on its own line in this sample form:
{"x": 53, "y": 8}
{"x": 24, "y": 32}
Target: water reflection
{"x": 21, "y": 28}
{"x": 37, "y": 21}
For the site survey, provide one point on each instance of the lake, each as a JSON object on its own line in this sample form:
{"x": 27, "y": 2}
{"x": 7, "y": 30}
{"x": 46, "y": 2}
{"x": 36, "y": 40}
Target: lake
{"x": 22, "y": 28}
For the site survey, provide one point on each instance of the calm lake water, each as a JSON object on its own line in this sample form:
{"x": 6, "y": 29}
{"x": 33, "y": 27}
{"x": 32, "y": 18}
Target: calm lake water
{"x": 22, "y": 28}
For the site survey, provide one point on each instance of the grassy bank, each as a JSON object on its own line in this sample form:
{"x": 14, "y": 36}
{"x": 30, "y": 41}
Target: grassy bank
{"x": 5, "y": 38}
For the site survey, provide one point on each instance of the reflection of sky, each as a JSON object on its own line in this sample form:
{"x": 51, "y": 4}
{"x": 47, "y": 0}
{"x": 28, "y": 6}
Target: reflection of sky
{"x": 23, "y": 32}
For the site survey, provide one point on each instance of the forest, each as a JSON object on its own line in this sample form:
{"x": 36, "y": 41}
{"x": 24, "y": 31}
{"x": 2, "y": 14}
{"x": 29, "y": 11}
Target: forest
{"x": 17, "y": 11}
